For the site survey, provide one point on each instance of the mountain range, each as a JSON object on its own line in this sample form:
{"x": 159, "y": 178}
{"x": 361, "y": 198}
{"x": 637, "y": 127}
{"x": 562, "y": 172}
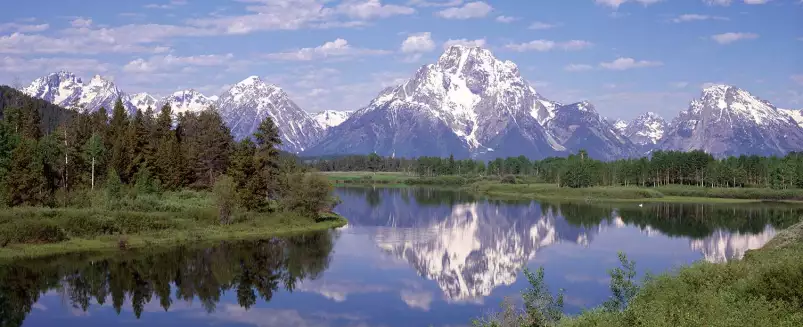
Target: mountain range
{"x": 468, "y": 104}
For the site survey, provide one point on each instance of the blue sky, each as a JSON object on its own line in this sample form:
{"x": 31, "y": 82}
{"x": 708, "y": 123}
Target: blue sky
{"x": 626, "y": 56}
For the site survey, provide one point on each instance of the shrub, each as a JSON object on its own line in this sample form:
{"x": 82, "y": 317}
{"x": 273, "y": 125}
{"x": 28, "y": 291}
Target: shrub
{"x": 308, "y": 194}
{"x": 508, "y": 179}
{"x": 226, "y": 198}
{"x": 31, "y": 232}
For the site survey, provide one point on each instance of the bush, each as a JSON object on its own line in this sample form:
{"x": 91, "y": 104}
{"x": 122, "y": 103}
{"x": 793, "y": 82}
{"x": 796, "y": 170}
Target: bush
{"x": 31, "y": 232}
{"x": 308, "y": 194}
{"x": 225, "y": 191}
{"x": 508, "y": 179}
{"x": 90, "y": 225}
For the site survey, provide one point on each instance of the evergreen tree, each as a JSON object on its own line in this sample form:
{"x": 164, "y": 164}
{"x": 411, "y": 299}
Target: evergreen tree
{"x": 118, "y": 127}
{"x": 93, "y": 153}
{"x": 25, "y": 182}
{"x": 267, "y": 140}
{"x": 136, "y": 144}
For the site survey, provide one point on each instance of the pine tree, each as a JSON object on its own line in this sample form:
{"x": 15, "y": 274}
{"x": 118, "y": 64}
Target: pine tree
{"x": 25, "y": 181}
{"x": 267, "y": 141}
{"x": 136, "y": 144}
{"x": 118, "y": 126}
{"x": 93, "y": 152}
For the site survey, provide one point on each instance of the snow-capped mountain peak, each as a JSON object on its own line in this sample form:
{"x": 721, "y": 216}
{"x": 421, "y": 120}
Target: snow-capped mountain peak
{"x": 331, "y": 118}
{"x": 468, "y": 103}
{"x": 646, "y": 130}
{"x": 726, "y": 120}
{"x": 144, "y": 100}
{"x": 619, "y": 125}
{"x": 248, "y": 102}
{"x": 187, "y": 100}
{"x": 67, "y": 90}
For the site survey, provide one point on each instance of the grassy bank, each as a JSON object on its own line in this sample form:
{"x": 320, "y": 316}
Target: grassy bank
{"x": 143, "y": 221}
{"x": 763, "y": 289}
{"x": 525, "y": 188}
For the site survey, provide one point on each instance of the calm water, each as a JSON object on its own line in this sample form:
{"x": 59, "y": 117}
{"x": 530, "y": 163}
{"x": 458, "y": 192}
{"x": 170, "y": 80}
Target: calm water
{"x": 409, "y": 257}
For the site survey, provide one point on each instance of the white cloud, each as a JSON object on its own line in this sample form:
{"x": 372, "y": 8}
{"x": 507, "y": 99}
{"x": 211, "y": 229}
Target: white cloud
{"x": 696, "y": 17}
{"x": 464, "y": 42}
{"x": 628, "y": 63}
{"x": 506, "y": 19}
{"x": 13, "y": 65}
{"x": 726, "y": 38}
{"x": 372, "y": 9}
{"x": 476, "y": 9}
{"x": 717, "y": 2}
{"x": 169, "y": 5}
{"x": 756, "y": 2}
{"x": 541, "y": 26}
{"x": 616, "y": 3}
{"x": 425, "y": 3}
{"x": 578, "y": 67}
{"x": 337, "y": 48}
{"x": 24, "y": 28}
{"x": 76, "y": 44}
{"x": 172, "y": 63}
{"x": 419, "y": 42}
{"x": 417, "y": 299}
{"x": 81, "y": 22}
{"x": 797, "y": 78}
{"x": 547, "y": 45}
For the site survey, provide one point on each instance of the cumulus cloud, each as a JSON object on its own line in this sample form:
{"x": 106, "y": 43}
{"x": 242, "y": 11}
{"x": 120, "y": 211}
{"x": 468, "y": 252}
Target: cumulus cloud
{"x": 628, "y": 63}
{"x": 171, "y": 62}
{"x": 464, "y": 42}
{"x": 727, "y": 38}
{"x": 679, "y": 85}
{"x": 695, "y": 17}
{"x": 425, "y": 3}
{"x": 717, "y": 2}
{"x": 506, "y": 19}
{"x": 23, "y": 28}
{"x": 170, "y": 5}
{"x": 372, "y": 9}
{"x": 541, "y": 26}
{"x": 547, "y": 45}
{"x": 577, "y": 67}
{"x": 616, "y": 3}
{"x": 337, "y": 48}
{"x": 81, "y": 22}
{"x": 13, "y": 65}
{"x": 419, "y": 42}
{"x": 470, "y": 10}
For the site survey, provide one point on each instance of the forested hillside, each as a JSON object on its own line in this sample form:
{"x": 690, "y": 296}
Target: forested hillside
{"x": 50, "y": 115}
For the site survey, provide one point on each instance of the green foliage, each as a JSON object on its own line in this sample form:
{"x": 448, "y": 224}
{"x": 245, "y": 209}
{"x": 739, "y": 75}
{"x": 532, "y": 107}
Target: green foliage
{"x": 308, "y": 194}
{"x": 225, "y": 191}
{"x": 25, "y": 182}
{"x": 31, "y": 232}
{"x": 508, "y": 179}
{"x": 541, "y": 308}
{"x": 623, "y": 285}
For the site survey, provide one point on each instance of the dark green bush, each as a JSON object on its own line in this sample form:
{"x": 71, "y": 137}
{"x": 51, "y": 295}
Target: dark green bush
{"x": 31, "y": 232}
{"x": 508, "y": 179}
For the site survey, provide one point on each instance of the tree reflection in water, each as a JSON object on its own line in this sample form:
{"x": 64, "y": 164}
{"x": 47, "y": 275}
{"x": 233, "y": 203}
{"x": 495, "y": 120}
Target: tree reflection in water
{"x": 250, "y": 268}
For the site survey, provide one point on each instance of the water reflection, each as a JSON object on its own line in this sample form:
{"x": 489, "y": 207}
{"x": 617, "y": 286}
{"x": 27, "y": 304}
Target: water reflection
{"x": 470, "y": 246}
{"x": 409, "y": 257}
{"x": 251, "y": 270}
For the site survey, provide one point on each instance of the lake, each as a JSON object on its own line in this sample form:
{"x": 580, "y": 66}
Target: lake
{"x": 409, "y": 257}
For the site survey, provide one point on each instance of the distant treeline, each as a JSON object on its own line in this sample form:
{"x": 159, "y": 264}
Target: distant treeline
{"x": 49, "y": 154}
{"x": 578, "y": 170}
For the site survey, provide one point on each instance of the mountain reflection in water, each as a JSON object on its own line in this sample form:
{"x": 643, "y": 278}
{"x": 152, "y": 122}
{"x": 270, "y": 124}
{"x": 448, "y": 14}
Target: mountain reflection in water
{"x": 409, "y": 257}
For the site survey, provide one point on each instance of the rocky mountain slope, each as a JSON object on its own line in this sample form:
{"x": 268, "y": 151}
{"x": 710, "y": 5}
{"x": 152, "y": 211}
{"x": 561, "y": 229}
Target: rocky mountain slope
{"x": 468, "y": 104}
{"x": 726, "y": 120}
{"x": 578, "y": 126}
{"x": 69, "y": 91}
{"x": 248, "y": 102}
{"x": 331, "y": 118}
{"x": 144, "y": 100}
{"x": 645, "y": 131}
{"x": 186, "y": 100}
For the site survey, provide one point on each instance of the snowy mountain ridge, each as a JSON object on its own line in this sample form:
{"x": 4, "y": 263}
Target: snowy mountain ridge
{"x": 331, "y": 118}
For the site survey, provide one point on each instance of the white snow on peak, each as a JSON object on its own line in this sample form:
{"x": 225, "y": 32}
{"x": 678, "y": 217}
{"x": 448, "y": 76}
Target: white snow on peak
{"x": 250, "y": 80}
{"x": 620, "y": 125}
{"x": 144, "y": 100}
{"x": 646, "y": 129}
{"x": 469, "y": 90}
{"x": 731, "y": 103}
{"x": 795, "y": 114}
{"x": 723, "y": 246}
{"x": 331, "y": 118}
{"x": 67, "y": 90}
{"x": 187, "y": 101}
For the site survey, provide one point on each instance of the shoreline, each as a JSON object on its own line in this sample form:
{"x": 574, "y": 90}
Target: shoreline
{"x": 551, "y": 192}
{"x": 165, "y": 238}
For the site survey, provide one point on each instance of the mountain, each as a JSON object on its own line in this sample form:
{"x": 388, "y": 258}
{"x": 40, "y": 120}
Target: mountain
{"x": 618, "y": 124}
{"x": 186, "y": 100}
{"x": 646, "y": 130}
{"x": 468, "y": 104}
{"x": 69, "y": 91}
{"x": 796, "y": 115}
{"x": 144, "y": 100}
{"x": 248, "y": 102}
{"x": 331, "y": 118}
{"x": 726, "y": 120}
{"x": 578, "y": 126}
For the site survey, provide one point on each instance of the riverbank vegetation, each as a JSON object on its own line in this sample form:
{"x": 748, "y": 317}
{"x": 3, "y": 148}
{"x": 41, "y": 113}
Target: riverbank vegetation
{"x": 763, "y": 289}
{"x": 69, "y": 177}
{"x": 665, "y": 175}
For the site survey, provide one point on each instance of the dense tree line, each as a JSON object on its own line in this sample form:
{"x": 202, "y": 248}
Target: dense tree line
{"x": 578, "y": 170}
{"x": 42, "y": 163}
